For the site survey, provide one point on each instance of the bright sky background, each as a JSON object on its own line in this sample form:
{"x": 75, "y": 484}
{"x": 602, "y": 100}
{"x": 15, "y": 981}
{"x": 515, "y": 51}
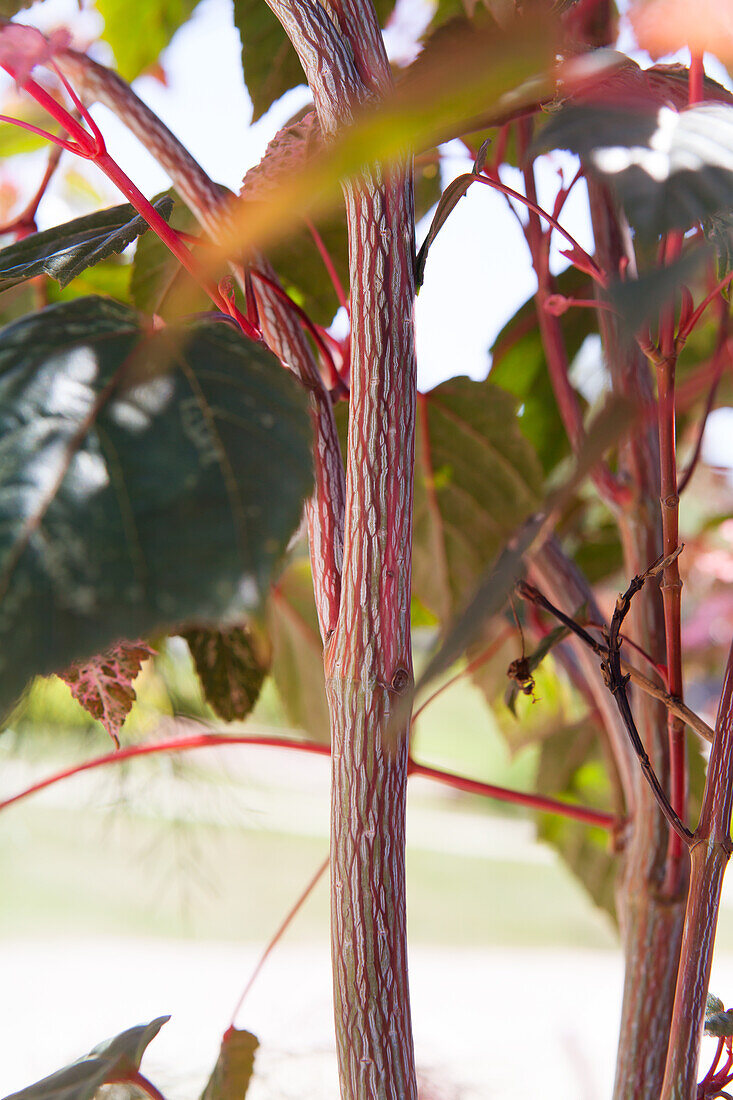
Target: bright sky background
{"x": 478, "y": 271}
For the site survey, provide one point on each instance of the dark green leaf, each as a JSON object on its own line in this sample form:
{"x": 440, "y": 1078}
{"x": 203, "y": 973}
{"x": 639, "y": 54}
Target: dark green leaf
{"x": 137, "y": 43}
{"x": 231, "y": 666}
{"x": 518, "y": 365}
{"x": 297, "y": 651}
{"x": 713, "y": 1005}
{"x": 671, "y": 169}
{"x": 66, "y": 250}
{"x": 111, "y": 1060}
{"x": 719, "y": 232}
{"x": 270, "y": 63}
{"x": 234, "y": 1067}
{"x": 639, "y": 301}
{"x": 476, "y": 479}
{"x": 147, "y": 480}
{"x": 719, "y": 1025}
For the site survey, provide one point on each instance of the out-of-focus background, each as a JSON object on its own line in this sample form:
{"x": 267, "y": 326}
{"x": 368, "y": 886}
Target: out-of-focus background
{"x": 153, "y": 887}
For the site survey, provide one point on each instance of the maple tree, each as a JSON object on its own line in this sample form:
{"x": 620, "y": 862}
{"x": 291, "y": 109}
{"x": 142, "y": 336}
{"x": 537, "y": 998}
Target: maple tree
{"x": 157, "y": 460}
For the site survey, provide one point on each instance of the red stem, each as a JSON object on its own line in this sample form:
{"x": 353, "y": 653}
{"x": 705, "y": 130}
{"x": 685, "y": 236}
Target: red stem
{"x": 137, "y": 1078}
{"x": 695, "y": 78}
{"x": 333, "y": 381}
{"x": 329, "y": 264}
{"x": 212, "y": 740}
{"x": 592, "y": 267}
{"x": 282, "y": 929}
{"x": 518, "y": 798}
{"x": 671, "y": 585}
{"x": 720, "y": 357}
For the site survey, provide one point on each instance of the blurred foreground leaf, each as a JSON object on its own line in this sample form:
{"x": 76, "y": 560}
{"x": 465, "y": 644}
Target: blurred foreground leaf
{"x": 234, "y": 1067}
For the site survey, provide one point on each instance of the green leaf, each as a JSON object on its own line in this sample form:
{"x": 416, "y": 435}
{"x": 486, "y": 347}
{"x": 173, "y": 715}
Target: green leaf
{"x": 518, "y": 365}
{"x": 137, "y": 43}
{"x": 476, "y": 479}
{"x": 103, "y": 685}
{"x": 158, "y": 282}
{"x": 147, "y": 480}
{"x": 271, "y": 65}
{"x": 495, "y": 584}
{"x": 14, "y": 139}
{"x": 111, "y": 1060}
{"x": 713, "y": 1005}
{"x": 719, "y": 1025}
{"x": 231, "y": 666}
{"x": 572, "y": 767}
{"x": 297, "y": 651}
{"x": 66, "y": 250}
{"x": 232, "y": 1073}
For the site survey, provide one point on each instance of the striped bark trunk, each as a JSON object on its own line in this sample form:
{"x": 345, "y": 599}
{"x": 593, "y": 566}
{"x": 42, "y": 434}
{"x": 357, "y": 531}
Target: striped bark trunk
{"x": 368, "y": 661}
{"x": 368, "y": 658}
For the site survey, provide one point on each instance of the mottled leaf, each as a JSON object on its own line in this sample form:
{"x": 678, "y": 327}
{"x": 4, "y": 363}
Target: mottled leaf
{"x": 111, "y": 1060}
{"x": 232, "y": 1073}
{"x": 231, "y": 665}
{"x": 297, "y": 651}
{"x": 476, "y": 479}
{"x": 66, "y": 250}
{"x": 671, "y": 168}
{"x": 137, "y": 43}
{"x": 147, "y": 480}
{"x": 103, "y": 685}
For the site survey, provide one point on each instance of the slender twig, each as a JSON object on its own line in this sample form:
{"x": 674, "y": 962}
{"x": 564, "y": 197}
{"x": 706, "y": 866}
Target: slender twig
{"x": 213, "y": 740}
{"x": 518, "y": 798}
{"x": 589, "y": 264}
{"x": 279, "y": 933}
{"x": 616, "y": 683}
{"x": 328, "y": 263}
{"x": 673, "y": 705}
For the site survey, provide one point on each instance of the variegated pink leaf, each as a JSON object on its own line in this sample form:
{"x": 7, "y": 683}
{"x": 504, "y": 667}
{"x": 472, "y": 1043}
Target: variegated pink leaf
{"x": 103, "y": 685}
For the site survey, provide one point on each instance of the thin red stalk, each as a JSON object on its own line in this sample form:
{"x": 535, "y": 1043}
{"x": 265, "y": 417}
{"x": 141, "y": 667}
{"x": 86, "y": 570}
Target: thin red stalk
{"x": 695, "y": 78}
{"x": 694, "y": 317}
{"x": 715, "y": 1062}
{"x": 305, "y": 320}
{"x": 553, "y": 341}
{"x": 26, "y": 220}
{"x": 671, "y": 585}
{"x": 282, "y": 929}
{"x": 88, "y": 144}
{"x": 328, "y": 263}
{"x": 136, "y": 1078}
{"x": 212, "y": 740}
{"x": 517, "y": 798}
{"x": 531, "y": 203}
{"x": 169, "y": 237}
{"x": 64, "y": 143}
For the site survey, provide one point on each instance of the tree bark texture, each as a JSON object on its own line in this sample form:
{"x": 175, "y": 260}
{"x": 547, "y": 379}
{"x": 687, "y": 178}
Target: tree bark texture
{"x": 368, "y": 660}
